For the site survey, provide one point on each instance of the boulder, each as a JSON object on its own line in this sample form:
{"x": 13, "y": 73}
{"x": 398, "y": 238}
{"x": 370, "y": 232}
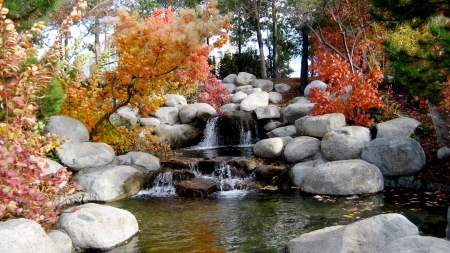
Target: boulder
{"x": 269, "y": 175}
{"x": 150, "y": 122}
{"x": 346, "y": 177}
{"x": 314, "y": 84}
{"x": 61, "y": 240}
{"x": 275, "y": 97}
{"x": 23, "y": 236}
{"x": 231, "y": 78}
{"x": 124, "y": 116}
{"x": 268, "y": 148}
{"x": 251, "y": 102}
{"x": 345, "y": 143}
{"x": 267, "y": 112}
{"x": 252, "y": 90}
{"x": 110, "y": 184}
{"x": 318, "y": 126}
{"x": 192, "y": 113}
{"x": 283, "y": 131}
{"x": 77, "y": 156}
{"x": 167, "y": 115}
{"x": 179, "y": 136}
{"x": 67, "y": 127}
{"x": 238, "y": 97}
{"x": 52, "y": 168}
{"x": 395, "y": 156}
{"x": 230, "y": 107}
{"x": 230, "y": 87}
{"x": 400, "y": 127}
{"x": 174, "y": 100}
{"x": 301, "y": 148}
{"x": 144, "y": 162}
{"x": 243, "y": 88}
{"x": 300, "y": 100}
{"x": 282, "y": 87}
{"x": 244, "y": 78}
{"x": 296, "y": 111}
{"x": 417, "y": 243}
{"x": 271, "y": 126}
{"x": 443, "y": 153}
{"x": 369, "y": 235}
{"x": 264, "y": 85}
{"x": 298, "y": 172}
{"x": 95, "y": 227}
{"x": 197, "y": 188}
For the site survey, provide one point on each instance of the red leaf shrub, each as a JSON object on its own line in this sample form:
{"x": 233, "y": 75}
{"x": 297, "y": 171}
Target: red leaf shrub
{"x": 213, "y": 93}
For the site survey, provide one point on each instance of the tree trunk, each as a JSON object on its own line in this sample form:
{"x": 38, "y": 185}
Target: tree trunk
{"x": 305, "y": 53}
{"x": 262, "y": 58}
{"x": 97, "y": 48}
{"x": 275, "y": 41}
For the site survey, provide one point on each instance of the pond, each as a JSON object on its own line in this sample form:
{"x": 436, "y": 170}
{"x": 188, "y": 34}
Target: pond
{"x": 252, "y": 221}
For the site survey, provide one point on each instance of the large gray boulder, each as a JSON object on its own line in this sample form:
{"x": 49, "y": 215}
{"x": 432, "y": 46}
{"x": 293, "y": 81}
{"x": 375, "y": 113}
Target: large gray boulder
{"x": 174, "y": 100}
{"x": 144, "y": 162}
{"x": 150, "y": 122}
{"x": 24, "y": 236}
{"x": 77, "y": 156}
{"x": 300, "y": 100}
{"x": 125, "y": 116}
{"x": 401, "y": 127}
{"x": 346, "y": 177}
{"x": 67, "y": 127}
{"x": 243, "y": 88}
{"x": 301, "y": 148}
{"x": 268, "y": 148}
{"x": 282, "y": 87}
{"x": 366, "y": 236}
{"x": 395, "y": 156}
{"x": 167, "y": 115}
{"x": 231, "y": 78}
{"x": 97, "y": 227}
{"x": 272, "y": 125}
{"x": 244, "y": 78}
{"x": 275, "y": 97}
{"x": 252, "y": 90}
{"x": 238, "y": 97}
{"x": 318, "y": 126}
{"x": 61, "y": 240}
{"x": 230, "y": 107}
{"x": 298, "y": 172}
{"x": 230, "y": 87}
{"x": 196, "y": 112}
{"x": 178, "y": 136}
{"x": 345, "y": 143}
{"x": 282, "y": 132}
{"x": 296, "y": 111}
{"x": 417, "y": 243}
{"x": 110, "y": 184}
{"x": 267, "y": 112}
{"x": 314, "y": 84}
{"x": 264, "y": 85}
{"x": 252, "y": 101}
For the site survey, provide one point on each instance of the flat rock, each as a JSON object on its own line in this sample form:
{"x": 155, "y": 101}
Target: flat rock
{"x": 196, "y": 188}
{"x": 267, "y": 112}
{"x": 283, "y": 131}
{"x": 401, "y": 127}
{"x": 318, "y": 126}
{"x": 77, "y": 156}
{"x": 67, "y": 127}
{"x": 417, "y": 243}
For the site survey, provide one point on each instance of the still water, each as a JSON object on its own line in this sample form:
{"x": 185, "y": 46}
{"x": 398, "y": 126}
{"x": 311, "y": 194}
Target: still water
{"x": 245, "y": 221}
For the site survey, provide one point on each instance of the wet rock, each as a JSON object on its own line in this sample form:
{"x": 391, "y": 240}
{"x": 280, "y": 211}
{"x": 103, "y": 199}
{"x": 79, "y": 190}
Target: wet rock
{"x": 67, "y": 127}
{"x": 270, "y": 175}
{"x": 179, "y": 135}
{"x": 197, "y": 188}
{"x": 345, "y": 143}
{"x": 318, "y": 126}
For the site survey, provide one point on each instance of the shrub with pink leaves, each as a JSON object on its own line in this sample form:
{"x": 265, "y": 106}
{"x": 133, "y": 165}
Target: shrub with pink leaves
{"x": 213, "y": 93}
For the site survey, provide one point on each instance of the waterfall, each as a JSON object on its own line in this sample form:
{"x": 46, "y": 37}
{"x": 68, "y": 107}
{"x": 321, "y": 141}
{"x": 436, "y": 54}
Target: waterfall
{"x": 163, "y": 186}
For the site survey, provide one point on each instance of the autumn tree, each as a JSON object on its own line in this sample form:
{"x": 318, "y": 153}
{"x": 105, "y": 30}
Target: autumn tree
{"x": 27, "y": 13}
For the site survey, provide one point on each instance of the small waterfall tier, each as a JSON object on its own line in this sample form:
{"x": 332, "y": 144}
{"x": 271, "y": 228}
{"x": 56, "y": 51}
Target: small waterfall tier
{"x": 236, "y": 129}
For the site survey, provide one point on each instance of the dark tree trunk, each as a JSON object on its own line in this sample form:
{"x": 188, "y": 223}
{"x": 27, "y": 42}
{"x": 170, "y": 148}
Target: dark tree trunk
{"x": 305, "y": 52}
{"x": 262, "y": 58}
{"x": 275, "y": 41}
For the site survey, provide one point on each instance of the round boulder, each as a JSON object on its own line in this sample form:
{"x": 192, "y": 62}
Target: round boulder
{"x": 252, "y": 101}
{"x": 282, "y": 87}
{"x": 264, "y": 85}
{"x": 315, "y": 84}
{"x": 167, "y": 115}
{"x": 268, "y": 148}
{"x": 196, "y": 112}
{"x": 345, "y": 143}
{"x": 67, "y": 127}
{"x": 318, "y": 126}
{"x": 417, "y": 243}
{"x": 231, "y": 78}
{"x": 174, "y": 100}
{"x": 244, "y": 78}
{"x": 275, "y": 97}
{"x": 296, "y": 111}
{"x": 238, "y": 97}
{"x": 301, "y": 148}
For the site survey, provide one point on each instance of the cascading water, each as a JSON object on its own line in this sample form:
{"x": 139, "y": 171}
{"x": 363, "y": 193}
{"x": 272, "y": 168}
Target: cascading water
{"x": 163, "y": 185}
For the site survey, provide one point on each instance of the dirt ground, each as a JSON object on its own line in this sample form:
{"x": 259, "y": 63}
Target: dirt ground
{"x": 435, "y": 170}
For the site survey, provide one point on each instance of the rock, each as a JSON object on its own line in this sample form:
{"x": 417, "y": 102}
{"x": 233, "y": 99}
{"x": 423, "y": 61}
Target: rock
{"x": 23, "y": 236}
{"x": 314, "y": 84}
{"x": 271, "y": 126}
{"x": 125, "y": 116}
{"x": 192, "y": 113}
{"x": 298, "y": 172}
{"x": 267, "y": 112}
{"x": 61, "y": 241}
{"x": 243, "y": 88}
{"x": 443, "y": 153}
{"x": 67, "y": 127}
{"x": 282, "y": 87}
{"x": 238, "y": 97}
{"x": 264, "y": 85}
{"x": 395, "y": 156}
{"x": 252, "y": 90}
{"x": 196, "y": 188}
{"x": 230, "y": 87}
{"x": 251, "y": 102}
{"x": 269, "y": 175}
{"x": 318, "y": 126}
{"x": 179, "y": 136}
{"x": 282, "y": 132}
{"x": 230, "y": 107}
{"x": 301, "y": 148}
{"x": 231, "y": 78}
{"x": 369, "y": 235}
{"x": 300, "y": 100}
{"x": 167, "y": 115}
{"x": 268, "y": 148}
{"x": 97, "y": 227}
{"x": 244, "y": 78}
{"x": 275, "y": 97}
{"x": 77, "y": 156}
{"x": 144, "y": 162}
{"x": 53, "y": 167}
{"x": 346, "y": 177}
{"x": 150, "y": 122}
{"x": 417, "y": 243}
{"x": 400, "y": 127}
{"x": 345, "y": 143}
{"x": 296, "y": 111}
{"x": 110, "y": 184}
{"x": 174, "y": 100}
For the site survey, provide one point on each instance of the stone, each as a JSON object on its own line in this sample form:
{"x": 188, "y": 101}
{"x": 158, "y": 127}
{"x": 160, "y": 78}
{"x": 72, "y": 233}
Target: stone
{"x": 192, "y": 113}
{"x": 369, "y": 235}
{"x": 23, "y": 236}
{"x": 301, "y": 148}
{"x": 110, "y": 184}
{"x": 296, "y": 111}
{"x": 275, "y": 97}
{"x": 144, "y": 162}
{"x": 167, "y": 115}
{"x": 264, "y": 85}
{"x": 53, "y": 168}
{"x": 150, "y": 122}
{"x": 282, "y": 87}
{"x": 251, "y": 102}
{"x": 300, "y": 100}
{"x": 268, "y": 148}
{"x": 77, "y": 156}
{"x": 174, "y": 100}
{"x": 443, "y": 153}
{"x": 318, "y": 126}
{"x": 401, "y": 127}
{"x": 395, "y": 156}
{"x": 298, "y": 172}
{"x": 230, "y": 107}
{"x": 347, "y": 177}
{"x": 179, "y": 136}
{"x": 417, "y": 243}
{"x": 244, "y": 78}
{"x": 345, "y": 143}
{"x": 271, "y": 126}
{"x": 238, "y": 97}
{"x": 267, "y": 112}
{"x": 124, "y": 116}
{"x": 67, "y": 127}
{"x": 231, "y": 78}
{"x": 230, "y": 87}
{"x": 61, "y": 241}
{"x": 283, "y": 131}
{"x": 95, "y": 227}
{"x": 243, "y": 88}
{"x": 314, "y": 84}
{"x": 269, "y": 175}
{"x": 196, "y": 188}
{"x": 252, "y": 90}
